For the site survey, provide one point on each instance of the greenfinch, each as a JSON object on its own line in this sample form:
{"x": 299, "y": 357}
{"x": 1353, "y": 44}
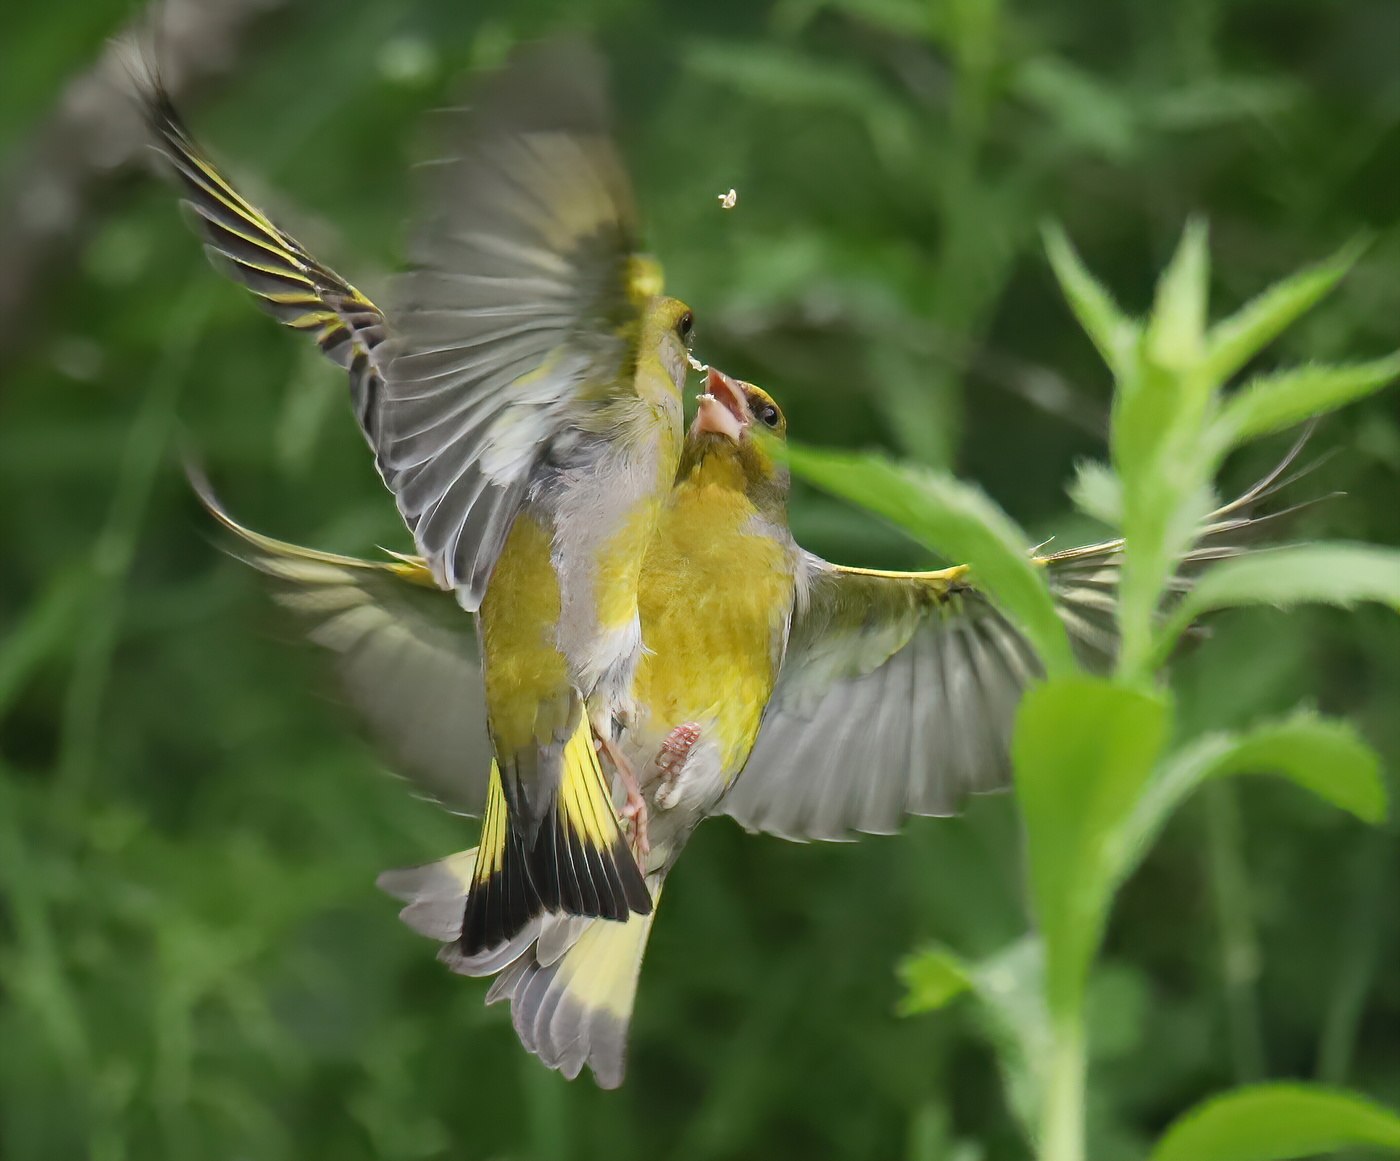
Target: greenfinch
{"x": 848, "y": 698}
{"x": 526, "y": 414}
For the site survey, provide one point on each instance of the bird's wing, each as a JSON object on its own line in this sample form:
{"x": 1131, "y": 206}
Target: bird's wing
{"x": 288, "y": 282}
{"x": 896, "y": 697}
{"x": 898, "y": 691}
{"x": 521, "y": 317}
{"x": 405, "y": 654}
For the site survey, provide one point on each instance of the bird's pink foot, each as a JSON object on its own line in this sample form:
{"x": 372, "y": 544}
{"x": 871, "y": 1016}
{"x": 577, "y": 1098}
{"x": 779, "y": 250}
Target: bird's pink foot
{"x": 671, "y": 760}
{"x": 634, "y": 809}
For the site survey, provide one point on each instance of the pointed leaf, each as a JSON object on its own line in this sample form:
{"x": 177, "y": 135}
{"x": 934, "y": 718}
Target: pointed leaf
{"x": 1329, "y": 574}
{"x": 1112, "y": 332}
{"x": 957, "y": 521}
{"x": 1009, "y": 992}
{"x": 1097, "y": 492}
{"x": 932, "y": 979}
{"x": 1176, "y": 332}
{"x": 1275, "y": 1122}
{"x": 1237, "y": 339}
{"x": 1083, "y": 750}
{"x": 1280, "y": 400}
{"x": 1319, "y": 754}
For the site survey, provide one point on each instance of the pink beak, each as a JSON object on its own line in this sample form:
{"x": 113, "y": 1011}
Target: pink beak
{"x": 723, "y": 409}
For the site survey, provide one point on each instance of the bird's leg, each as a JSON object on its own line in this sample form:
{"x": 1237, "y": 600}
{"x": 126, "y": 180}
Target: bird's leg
{"x": 670, "y": 761}
{"x": 634, "y": 809}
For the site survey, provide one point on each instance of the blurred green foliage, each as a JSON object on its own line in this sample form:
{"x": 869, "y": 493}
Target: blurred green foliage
{"x": 193, "y": 961}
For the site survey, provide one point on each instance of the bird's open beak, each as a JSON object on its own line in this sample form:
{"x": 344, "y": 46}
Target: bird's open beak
{"x": 723, "y": 409}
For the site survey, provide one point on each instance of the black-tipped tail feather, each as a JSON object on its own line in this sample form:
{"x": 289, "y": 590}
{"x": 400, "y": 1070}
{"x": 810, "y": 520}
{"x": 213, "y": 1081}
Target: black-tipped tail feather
{"x": 570, "y": 857}
{"x": 501, "y": 897}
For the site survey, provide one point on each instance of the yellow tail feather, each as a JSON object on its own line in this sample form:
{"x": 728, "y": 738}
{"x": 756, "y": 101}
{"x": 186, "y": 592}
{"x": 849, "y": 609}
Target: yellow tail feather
{"x": 579, "y": 860}
{"x": 575, "y": 860}
{"x": 575, "y": 1009}
{"x": 501, "y": 898}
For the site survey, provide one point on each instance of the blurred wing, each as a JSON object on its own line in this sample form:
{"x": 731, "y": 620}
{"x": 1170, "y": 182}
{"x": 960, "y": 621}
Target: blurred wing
{"x": 289, "y": 284}
{"x": 521, "y": 316}
{"x": 405, "y": 654}
{"x": 898, "y": 691}
{"x": 896, "y": 696}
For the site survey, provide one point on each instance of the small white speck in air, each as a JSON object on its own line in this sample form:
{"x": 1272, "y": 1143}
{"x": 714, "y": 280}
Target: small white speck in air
{"x": 727, "y": 201}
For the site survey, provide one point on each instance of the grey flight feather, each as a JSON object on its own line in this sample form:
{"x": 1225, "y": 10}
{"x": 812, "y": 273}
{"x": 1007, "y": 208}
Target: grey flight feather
{"x": 512, "y": 327}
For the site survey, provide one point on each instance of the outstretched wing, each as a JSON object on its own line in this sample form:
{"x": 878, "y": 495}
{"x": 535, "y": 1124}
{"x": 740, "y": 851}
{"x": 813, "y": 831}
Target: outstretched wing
{"x": 521, "y": 317}
{"x": 896, "y": 697}
{"x": 289, "y": 283}
{"x": 405, "y": 654}
{"x": 898, "y": 691}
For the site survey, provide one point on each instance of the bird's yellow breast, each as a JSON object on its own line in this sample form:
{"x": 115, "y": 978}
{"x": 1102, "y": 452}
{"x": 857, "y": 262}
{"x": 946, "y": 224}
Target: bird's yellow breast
{"x": 714, "y": 597}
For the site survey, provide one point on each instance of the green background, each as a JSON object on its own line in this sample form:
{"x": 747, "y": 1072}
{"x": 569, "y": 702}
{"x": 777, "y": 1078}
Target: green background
{"x": 193, "y": 960}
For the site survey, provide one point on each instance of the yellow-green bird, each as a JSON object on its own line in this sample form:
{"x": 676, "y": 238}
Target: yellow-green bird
{"x": 526, "y": 414}
{"x": 529, "y": 426}
{"x": 849, "y": 699}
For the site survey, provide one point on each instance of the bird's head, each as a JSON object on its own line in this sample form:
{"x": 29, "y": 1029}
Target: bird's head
{"x": 738, "y": 426}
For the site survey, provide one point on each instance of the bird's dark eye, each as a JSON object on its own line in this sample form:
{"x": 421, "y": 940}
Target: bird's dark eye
{"x": 684, "y": 325}
{"x": 767, "y": 414}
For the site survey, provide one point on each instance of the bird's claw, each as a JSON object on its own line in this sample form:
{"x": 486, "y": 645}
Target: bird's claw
{"x": 671, "y": 760}
{"x": 634, "y": 809}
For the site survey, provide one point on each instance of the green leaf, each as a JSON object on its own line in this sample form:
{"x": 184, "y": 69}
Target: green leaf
{"x": 1176, "y": 332}
{"x": 957, "y": 521}
{"x": 1083, "y": 750}
{"x": 1112, "y": 332}
{"x": 1275, "y": 1122}
{"x": 932, "y": 979}
{"x": 1097, "y": 492}
{"x": 1083, "y": 108}
{"x": 1009, "y": 992}
{"x": 1329, "y": 574}
{"x": 1319, "y": 754}
{"x": 1280, "y": 400}
{"x": 1232, "y": 342}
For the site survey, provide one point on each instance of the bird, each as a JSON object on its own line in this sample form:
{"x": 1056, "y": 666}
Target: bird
{"x": 802, "y": 698}
{"x": 523, "y": 403}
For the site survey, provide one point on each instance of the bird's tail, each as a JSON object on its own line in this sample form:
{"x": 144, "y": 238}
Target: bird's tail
{"x": 568, "y": 854}
{"x": 572, "y": 993}
{"x": 571, "y": 981}
{"x": 579, "y": 859}
{"x": 501, "y": 898}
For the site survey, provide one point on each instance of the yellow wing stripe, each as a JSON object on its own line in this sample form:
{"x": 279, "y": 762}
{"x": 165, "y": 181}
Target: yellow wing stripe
{"x": 217, "y": 187}
{"x": 947, "y": 576}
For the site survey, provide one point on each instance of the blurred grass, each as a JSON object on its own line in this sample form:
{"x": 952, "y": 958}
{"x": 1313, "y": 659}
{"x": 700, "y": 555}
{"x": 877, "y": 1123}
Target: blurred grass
{"x": 193, "y": 961}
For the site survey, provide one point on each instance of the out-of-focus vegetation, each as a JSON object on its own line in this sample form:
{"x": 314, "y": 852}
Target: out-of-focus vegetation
{"x": 1101, "y": 764}
{"x": 193, "y": 961}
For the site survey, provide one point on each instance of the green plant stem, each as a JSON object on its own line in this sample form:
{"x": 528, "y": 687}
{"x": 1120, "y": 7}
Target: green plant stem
{"x": 1062, "y": 1121}
{"x": 1239, "y": 945}
{"x": 1358, "y": 951}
